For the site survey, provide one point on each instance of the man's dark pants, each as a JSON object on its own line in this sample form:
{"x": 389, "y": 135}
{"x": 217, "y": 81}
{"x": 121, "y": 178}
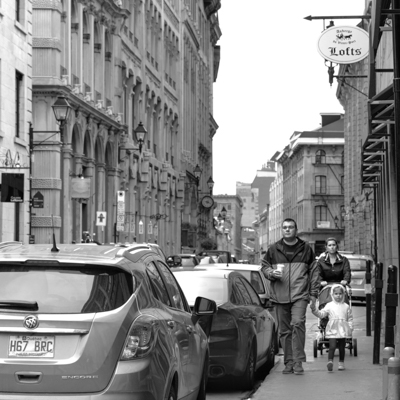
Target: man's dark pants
{"x": 292, "y": 327}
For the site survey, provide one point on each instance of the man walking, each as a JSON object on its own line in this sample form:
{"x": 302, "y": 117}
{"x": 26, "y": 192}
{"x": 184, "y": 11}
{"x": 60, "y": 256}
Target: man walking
{"x": 288, "y": 264}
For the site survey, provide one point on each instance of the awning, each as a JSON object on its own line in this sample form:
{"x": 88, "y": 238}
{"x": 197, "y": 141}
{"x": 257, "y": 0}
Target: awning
{"x": 380, "y": 120}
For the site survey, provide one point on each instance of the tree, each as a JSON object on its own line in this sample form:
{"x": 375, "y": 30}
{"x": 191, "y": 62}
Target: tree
{"x": 208, "y": 244}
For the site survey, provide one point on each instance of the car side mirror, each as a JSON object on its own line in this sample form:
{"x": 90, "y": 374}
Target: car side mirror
{"x": 174, "y": 261}
{"x": 204, "y": 309}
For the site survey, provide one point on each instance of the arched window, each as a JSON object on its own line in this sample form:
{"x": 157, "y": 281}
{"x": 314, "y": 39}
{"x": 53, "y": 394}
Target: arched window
{"x": 320, "y": 184}
{"x": 320, "y": 157}
{"x": 321, "y": 214}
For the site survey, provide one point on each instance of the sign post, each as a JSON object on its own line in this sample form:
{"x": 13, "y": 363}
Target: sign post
{"x": 120, "y": 212}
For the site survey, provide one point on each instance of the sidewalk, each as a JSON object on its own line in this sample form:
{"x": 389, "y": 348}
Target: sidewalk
{"x": 361, "y": 380}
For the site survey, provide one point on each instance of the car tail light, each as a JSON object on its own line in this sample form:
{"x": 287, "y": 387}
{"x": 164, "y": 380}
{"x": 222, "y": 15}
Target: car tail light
{"x": 140, "y": 339}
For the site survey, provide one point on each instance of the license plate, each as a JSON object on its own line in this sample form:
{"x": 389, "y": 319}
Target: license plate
{"x": 31, "y": 346}
{"x": 356, "y": 282}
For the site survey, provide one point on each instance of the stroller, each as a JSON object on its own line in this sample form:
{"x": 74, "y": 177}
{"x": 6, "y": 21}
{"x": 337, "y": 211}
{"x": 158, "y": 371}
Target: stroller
{"x": 321, "y": 342}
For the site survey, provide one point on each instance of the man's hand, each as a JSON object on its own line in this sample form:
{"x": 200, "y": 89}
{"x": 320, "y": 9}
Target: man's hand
{"x": 277, "y": 274}
{"x": 313, "y": 307}
{"x": 313, "y": 301}
{"x": 344, "y": 283}
{"x": 324, "y": 283}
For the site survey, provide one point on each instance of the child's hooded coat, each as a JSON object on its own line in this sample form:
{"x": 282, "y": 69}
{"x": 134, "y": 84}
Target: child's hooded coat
{"x": 340, "y": 324}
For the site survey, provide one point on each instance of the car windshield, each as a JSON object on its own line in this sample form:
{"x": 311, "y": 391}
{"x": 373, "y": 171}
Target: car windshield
{"x": 210, "y": 288}
{"x": 358, "y": 265}
{"x": 65, "y": 289}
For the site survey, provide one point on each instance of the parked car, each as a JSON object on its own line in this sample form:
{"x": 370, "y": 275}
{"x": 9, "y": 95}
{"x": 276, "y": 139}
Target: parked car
{"x": 252, "y": 272}
{"x": 243, "y": 332}
{"x": 358, "y": 266}
{"x": 107, "y": 321}
{"x": 186, "y": 260}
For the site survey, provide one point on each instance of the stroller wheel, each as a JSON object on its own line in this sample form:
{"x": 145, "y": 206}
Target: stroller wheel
{"x": 315, "y": 348}
{"x": 355, "y": 347}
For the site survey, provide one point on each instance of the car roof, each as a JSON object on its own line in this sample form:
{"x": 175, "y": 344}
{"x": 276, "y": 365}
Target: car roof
{"x": 74, "y": 253}
{"x": 207, "y": 273}
{"x": 231, "y": 266}
{"x": 357, "y": 256}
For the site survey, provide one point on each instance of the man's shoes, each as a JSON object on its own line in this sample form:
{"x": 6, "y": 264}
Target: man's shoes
{"x": 288, "y": 368}
{"x": 341, "y": 366}
{"x": 330, "y": 366}
{"x": 298, "y": 368}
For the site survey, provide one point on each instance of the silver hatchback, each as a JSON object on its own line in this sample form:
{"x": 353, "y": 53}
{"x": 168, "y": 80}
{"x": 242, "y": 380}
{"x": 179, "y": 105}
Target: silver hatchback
{"x": 88, "y": 322}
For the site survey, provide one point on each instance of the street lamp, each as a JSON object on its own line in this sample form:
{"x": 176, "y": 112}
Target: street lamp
{"x": 197, "y": 173}
{"x": 61, "y": 109}
{"x": 210, "y": 184}
{"x": 140, "y": 133}
{"x": 223, "y": 213}
{"x": 336, "y": 220}
{"x": 353, "y": 204}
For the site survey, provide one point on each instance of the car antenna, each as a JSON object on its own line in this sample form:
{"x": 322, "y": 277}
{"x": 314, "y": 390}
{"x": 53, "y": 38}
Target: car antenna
{"x": 54, "y": 249}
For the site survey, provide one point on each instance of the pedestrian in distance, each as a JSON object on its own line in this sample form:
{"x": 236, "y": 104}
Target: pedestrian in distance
{"x": 340, "y": 324}
{"x": 289, "y": 264}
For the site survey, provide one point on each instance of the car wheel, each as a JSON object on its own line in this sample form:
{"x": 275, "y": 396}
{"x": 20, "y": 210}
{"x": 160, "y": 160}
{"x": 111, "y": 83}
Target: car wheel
{"x": 248, "y": 378}
{"x": 204, "y": 380}
{"x": 172, "y": 395}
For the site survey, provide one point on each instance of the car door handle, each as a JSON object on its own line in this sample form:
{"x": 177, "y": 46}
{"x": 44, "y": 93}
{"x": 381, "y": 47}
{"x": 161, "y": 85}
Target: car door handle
{"x": 189, "y": 328}
{"x": 171, "y": 324}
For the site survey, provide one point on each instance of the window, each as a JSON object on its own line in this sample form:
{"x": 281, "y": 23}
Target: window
{"x": 253, "y": 295}
{"x": 321, "y": 213}
{"x": 172, "y": 286}
{"x": 159, "y": 290}
{"x": 320, "y": 157}
{"x": 17, "y": 10}
{"x": 18, "y": 101}
{"x": 239, "y": 284}
{"x": 320, "y": 184}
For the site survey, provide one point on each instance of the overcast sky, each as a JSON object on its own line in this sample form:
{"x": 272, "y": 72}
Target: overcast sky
{"x": 271, "y": 81}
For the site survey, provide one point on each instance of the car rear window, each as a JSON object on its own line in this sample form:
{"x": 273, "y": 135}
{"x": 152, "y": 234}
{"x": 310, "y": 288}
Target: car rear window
{"x": 358, "y": 265}
{"x": 188, "y": 262}
{"x": 66, "y": 289}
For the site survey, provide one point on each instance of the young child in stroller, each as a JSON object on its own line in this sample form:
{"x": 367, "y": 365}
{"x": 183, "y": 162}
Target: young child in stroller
{"x": 332, "y": 267}
{"x": 340, "y": 324}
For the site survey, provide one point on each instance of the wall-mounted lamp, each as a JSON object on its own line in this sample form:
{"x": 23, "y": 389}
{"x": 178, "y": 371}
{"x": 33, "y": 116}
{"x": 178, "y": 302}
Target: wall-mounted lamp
{"x": 61, "y": 109}
{"x": 140, "y": 133}
{"x": 353, "y": 204}
{"x": 210, "y": 184}
{"x": 223, "y": 213}
{"x": 336, "y": 220}
{"x": 197, "y": 173}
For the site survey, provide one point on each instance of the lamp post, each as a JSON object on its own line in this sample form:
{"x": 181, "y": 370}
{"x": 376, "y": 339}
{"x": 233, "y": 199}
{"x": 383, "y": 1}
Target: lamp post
{"x": 336, "y": 220}
{"x": 197, "y": 173}
{"x": 61, "y": 109}
{"x": 140, "y": 134}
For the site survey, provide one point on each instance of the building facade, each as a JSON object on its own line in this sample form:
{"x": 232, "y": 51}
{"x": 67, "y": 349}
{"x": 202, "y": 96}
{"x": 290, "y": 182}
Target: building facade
{"x": 120, "y": 64}
{"x": 15, "y": 113}
{"x": 312, "y": 176}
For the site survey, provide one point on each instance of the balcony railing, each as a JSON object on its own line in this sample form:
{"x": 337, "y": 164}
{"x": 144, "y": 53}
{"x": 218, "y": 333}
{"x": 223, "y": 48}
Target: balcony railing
{"x": 326, "y": 190}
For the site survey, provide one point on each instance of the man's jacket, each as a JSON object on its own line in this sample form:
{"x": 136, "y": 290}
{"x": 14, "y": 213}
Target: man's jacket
{"x": 298, "y": 278}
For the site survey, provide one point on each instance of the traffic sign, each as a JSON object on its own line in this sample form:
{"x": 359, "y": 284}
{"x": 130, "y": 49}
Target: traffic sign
{"x": 101, "y": 217}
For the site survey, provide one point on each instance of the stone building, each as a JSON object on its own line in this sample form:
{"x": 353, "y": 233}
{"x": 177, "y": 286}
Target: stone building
{"x": 313, "y": 173}
{"x": 121, "y": 65}
{"x": 15, "y": 114}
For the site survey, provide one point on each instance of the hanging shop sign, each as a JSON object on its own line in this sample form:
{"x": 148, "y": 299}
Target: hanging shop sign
{"x": 343, "y": 44}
